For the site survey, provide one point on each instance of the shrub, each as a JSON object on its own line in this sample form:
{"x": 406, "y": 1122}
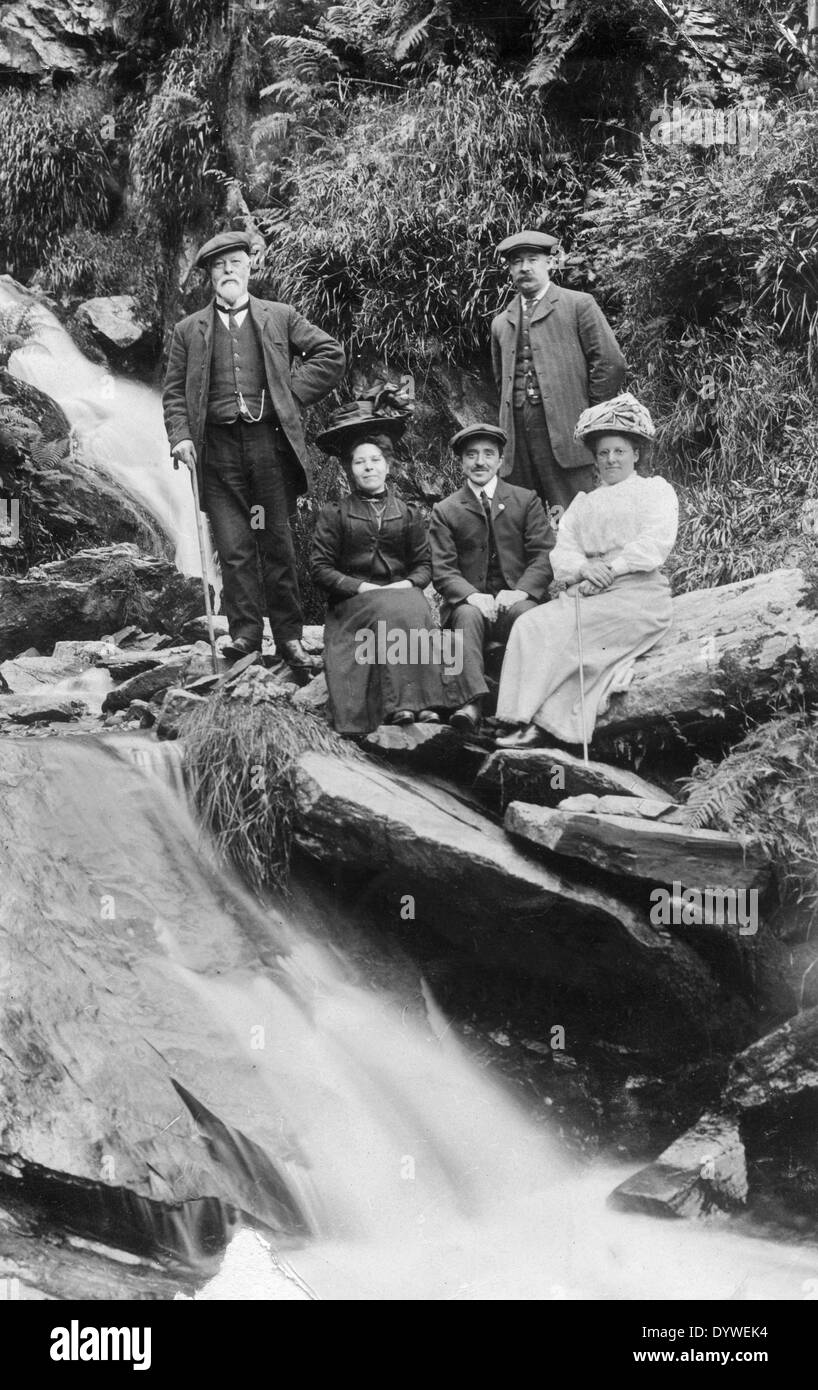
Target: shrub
{"x": 127, "y": 261}
{"x": 767, "y": 787}
{"x": 177, "y": 161}
{"x": 55, "y": 171}
{"x": 389, "y": 235}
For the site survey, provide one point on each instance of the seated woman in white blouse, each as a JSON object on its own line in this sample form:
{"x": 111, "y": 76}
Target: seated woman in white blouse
{"x": 610, "y": 546}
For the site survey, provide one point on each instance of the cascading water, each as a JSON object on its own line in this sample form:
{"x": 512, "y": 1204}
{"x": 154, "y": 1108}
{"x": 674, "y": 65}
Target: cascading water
{"x": 415, "y": 1174}
{"x": 117, "y": 422}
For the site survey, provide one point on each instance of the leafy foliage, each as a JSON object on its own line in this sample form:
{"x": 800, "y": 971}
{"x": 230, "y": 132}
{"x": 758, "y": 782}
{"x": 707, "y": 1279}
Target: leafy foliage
{"x": 55, "y": 170}
{"x": 390, "y": 231}
{"x": 767, "y": 787}
{"x": 125, "y": 261}
{"x": 709, "y": 268}
{"x": 177, "y": 160}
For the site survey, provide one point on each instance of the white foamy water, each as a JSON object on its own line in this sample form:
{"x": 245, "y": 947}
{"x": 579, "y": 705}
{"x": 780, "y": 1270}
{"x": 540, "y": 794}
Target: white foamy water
{"x": 420, "y": 1175}
{"x": 117, "y": 423}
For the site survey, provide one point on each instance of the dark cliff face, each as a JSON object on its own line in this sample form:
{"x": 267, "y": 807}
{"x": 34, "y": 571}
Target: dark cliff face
{"x": 59, "y": 40}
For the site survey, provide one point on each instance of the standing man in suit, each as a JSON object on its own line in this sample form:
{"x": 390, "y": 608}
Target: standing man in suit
{"x": 491, "y": 544}
{"x": 238, "y": 372}
{"x": 554, "y": 354}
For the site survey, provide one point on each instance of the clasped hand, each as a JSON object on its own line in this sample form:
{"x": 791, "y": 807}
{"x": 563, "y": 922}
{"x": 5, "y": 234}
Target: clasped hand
{"x": 596, "y": 576}
{"x": 491, "y": 607}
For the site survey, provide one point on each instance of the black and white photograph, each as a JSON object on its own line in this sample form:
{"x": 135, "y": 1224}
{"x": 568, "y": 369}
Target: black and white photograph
{"x": 409, "y": 667}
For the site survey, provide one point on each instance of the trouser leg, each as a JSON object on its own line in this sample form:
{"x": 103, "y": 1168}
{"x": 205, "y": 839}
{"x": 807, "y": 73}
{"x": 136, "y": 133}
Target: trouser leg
{"x": 274, "y": 499}
{"x": 469, "y": 622}
{"x": 535, "y": 465}
{"x": 228, "y": 501}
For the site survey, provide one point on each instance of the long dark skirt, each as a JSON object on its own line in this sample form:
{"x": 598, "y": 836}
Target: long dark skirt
{"x": 377, "y": 659}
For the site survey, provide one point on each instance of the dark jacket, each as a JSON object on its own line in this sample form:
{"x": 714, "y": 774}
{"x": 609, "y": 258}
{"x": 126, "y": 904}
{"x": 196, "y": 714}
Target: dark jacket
{"x": 459, "y": 539}
{"x": 577, "y": 362}
{"x": 302, "y": 364}
{"x": 347, "y": 543}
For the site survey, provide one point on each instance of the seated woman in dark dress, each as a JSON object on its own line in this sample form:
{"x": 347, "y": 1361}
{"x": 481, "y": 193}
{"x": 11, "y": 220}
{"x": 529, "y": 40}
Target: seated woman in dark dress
{"x": 382, "y": 647}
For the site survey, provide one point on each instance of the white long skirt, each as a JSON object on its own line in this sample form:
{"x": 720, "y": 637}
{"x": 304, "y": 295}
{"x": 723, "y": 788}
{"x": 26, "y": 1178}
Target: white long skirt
{"x": 540, "y": 679}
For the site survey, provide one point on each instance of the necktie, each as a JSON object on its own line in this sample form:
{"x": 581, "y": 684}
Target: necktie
{"x": 486, "y": 501}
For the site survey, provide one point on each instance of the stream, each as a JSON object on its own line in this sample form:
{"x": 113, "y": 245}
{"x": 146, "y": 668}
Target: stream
{"x": 416, "y": 1173}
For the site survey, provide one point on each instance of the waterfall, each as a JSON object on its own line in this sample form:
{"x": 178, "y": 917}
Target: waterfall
{"x": 116, "y": 421}
{"x": 412, "y": 1173}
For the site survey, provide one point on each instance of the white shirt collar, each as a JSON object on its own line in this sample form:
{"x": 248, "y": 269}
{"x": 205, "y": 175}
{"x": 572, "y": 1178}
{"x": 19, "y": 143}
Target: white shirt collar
{"x": 489, "y": 489}
{"x": 531, "y": 303}
{"x": 239, "y": 313}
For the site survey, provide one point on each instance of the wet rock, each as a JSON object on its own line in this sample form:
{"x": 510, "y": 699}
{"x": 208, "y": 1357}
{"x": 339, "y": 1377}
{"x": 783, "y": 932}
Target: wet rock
{"x": 26, "y": 674}
{"x": 753, "y": 1142}
{"x": 703, "y": 1171}
{"x": 147, "y": 685}
{"x": 144, "y": 711}
{"x": 125, "y": 664}
{"x": 43, "y": 711}
{"x": 177, "y": 703}
{"x": 429, "y": 748}
{"x": 651, "y": 850}
{"x": 85, "y": 653}
{"x": 728, "y": 650}
{"x": 64, "y": 495}
{"x": 472, "y": 885}
{"x": 63, "y": 38}
{"x": 115, "y": 324}
{"x": 197, "y": 627}
{"x": 91, "y": 593}
{"x": 314, "y": 695}
{"x": 546, "y": 775}
{"x": 153, "y": 642}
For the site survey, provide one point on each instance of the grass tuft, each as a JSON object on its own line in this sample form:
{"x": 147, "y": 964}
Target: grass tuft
{"x": 240, "y": 750}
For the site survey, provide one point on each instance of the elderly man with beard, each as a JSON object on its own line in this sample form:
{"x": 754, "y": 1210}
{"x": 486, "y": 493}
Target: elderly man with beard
{"x": 238, "y": 373}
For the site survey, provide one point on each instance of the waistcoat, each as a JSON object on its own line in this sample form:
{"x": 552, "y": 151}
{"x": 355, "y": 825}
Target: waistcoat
{"x": 237, "y": 368}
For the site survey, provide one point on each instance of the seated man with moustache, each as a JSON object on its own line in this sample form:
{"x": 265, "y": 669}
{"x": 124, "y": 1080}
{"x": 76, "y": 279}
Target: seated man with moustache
{"x": 491, "y": 545}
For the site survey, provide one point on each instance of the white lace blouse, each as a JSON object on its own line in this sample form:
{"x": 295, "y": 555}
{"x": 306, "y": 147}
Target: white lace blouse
{"x": 632, "y": 525}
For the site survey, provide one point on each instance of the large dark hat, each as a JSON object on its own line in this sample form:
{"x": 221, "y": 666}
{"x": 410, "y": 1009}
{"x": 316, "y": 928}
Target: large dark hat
{"x": 221, "y": 244}
{"x": 458, "y": 440}
{"x": 355, "y": 421}
{"x": 528, "y": 241}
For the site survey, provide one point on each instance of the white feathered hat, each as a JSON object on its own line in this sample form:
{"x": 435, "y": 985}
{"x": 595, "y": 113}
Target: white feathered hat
{"x": 622, "y": 415}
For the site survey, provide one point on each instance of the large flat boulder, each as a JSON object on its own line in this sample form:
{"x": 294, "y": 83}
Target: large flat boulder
{"x": 473, "y": 885}
{"x": 650, "y": 850}
{"x": 727, "y": 650}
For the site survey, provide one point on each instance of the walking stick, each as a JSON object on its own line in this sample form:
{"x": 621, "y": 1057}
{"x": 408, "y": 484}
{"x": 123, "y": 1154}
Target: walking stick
{"x": 211, "y": 633}
{"x": 581, "y": 679}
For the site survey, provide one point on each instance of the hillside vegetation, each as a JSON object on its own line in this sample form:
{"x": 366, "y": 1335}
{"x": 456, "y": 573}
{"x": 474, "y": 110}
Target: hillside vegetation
{"x": 382, "y": 147}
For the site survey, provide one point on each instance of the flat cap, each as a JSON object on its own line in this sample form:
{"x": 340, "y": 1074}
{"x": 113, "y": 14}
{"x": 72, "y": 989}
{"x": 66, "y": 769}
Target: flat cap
{"x": 528, "y": 241}
{"x": 477, "y": 432}
{"x": 225, "y": 241}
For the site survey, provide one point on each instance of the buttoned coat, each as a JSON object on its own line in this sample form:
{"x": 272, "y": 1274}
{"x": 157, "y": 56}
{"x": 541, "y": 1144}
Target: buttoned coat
{"x": 460, "y": 543}
{"x": 348, "y": 539}
{"x": 302, "y": 364}
{"x": 577, "y": 362}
